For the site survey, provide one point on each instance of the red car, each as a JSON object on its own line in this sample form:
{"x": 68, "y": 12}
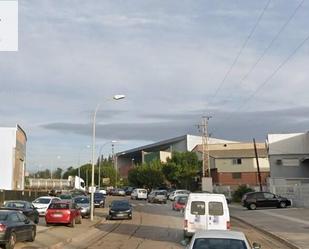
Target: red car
{"x": 63, "y": 213}
{"x": 180, "y": 202}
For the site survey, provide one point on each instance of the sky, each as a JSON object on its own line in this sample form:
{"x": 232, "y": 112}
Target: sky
{"x": 175, "y": 61}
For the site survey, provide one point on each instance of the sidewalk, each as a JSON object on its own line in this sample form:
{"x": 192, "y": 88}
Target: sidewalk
{"x": 290, "y": 224}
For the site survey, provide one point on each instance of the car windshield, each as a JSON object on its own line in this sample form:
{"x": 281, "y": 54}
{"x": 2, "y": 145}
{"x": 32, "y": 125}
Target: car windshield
{"x": 65, "y": 197}
{"x": 161, "y": 193}
{"x": 98, "y": 195}
{"x": 219, "y": 243}
{"x": 120, "y": 204}
{"x": 3, "y": 216}
{"x": 59, "y": 206}
{"x": 182, "y": 200}
{"x": 82, "y": 200}
{"x": 42, "y": 201}
{"x": 15, "y": 205}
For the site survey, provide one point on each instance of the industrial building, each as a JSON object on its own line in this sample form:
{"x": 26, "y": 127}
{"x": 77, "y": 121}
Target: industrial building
{"x": 12, "y": 157}
{"x": 159, "y": 151}
{"x": 234, "y": 164}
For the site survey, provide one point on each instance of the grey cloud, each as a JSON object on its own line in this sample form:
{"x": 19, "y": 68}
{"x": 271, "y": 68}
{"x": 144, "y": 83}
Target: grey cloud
{"x": 237, "y": 126}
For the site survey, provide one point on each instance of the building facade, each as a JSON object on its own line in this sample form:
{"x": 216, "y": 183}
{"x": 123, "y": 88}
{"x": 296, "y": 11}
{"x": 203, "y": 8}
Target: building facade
{"x": 234, "y": 164}
{"x": 289, "y": 158}
{"x": 13, "y": 142}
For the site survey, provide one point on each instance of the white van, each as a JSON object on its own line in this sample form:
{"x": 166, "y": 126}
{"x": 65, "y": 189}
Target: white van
{"x": 139, "y": 194}
{"x": 205, "y": 211}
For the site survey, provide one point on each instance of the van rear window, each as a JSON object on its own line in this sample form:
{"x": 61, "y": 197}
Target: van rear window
{"x": 198, "y": 207}
{"x": 215, "y": 208}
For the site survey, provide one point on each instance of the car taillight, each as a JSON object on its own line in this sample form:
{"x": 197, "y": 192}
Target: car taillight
{"x": 228, "y": 225}
{"x": 2, "y": 228}
{"x": 186, "y": 223}
{"x": 68, "y": 212}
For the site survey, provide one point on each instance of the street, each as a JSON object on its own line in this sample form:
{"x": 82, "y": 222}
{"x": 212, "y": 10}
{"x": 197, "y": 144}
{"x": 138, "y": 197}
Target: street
{"x": 153, "y": 226}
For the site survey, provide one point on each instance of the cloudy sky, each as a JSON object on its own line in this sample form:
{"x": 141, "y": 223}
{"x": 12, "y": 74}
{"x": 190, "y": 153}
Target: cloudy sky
{"x": 243, "y": 62}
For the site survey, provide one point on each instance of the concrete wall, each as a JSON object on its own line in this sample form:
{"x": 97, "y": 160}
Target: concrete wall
{"x": 7, "y": 157}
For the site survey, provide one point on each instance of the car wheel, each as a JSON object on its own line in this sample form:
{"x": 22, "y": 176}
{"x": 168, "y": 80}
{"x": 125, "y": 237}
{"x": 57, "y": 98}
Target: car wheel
{"x": 282, "y": 205}
{"x": 252, "y": 206}
{"x": 12, "y": 241}
{"x": 72, "y": 223}
{"x": 33, "y": 234}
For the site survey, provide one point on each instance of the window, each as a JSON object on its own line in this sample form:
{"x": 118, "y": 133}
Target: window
{"x": 21, "y": 217}
{"x": 237, "y": 161}
{"x": 198, "y": 207}
{"x": 236, "y": 175}
{"x": 268, "y": 196}
{"x": 215, "y": 208}
{"x": 14, "y": 217}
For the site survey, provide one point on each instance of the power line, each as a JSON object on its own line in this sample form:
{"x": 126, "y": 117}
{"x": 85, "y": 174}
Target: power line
{"x": 266, "y": 81}
{"x": 272, "y": 42}
{"x": 240, "y": 51}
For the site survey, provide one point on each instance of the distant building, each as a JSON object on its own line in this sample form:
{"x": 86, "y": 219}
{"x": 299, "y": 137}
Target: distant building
{"x": 159, "y": 151}
{"x": 289, "y": 158}
{"x": 234, "y": 164}
{"x": 12, "y": 157}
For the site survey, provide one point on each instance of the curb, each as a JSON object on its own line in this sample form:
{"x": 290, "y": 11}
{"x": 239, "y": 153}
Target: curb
{"x": 272, "y": 235}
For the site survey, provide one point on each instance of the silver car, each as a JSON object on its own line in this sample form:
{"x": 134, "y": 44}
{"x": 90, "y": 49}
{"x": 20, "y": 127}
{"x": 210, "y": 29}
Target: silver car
{"x": 83, "y": 202}
{"x": 157, "y": 196}
{"x": 220, "y": 239}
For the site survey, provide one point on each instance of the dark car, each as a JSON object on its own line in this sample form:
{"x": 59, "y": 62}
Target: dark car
{"x": 14, "y": 227}
{"x": 253, "y": 200}
{"x": 120, "y": 209}
{"x": 99, "y": 200}
{"x": 129, "y": 190}
{"x": 26, "y": 207}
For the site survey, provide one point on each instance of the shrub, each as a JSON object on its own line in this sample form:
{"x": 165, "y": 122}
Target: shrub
{"x": 240, "y": 191}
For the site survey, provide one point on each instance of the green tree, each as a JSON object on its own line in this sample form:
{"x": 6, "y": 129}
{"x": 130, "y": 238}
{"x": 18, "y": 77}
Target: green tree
{"x": 182, "y": 169}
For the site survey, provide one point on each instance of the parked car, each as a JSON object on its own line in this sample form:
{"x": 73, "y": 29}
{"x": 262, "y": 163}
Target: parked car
{"x": 99, "y": 200}
{"x": 24, "y": 206}
{"x": 120, "y": 209}
{"x": 42, "y": 203}
{"x": 102, "y": 191}
{"x": 206, "y": 212}
{"x": 220, "y": 240}
{"x": 173, "y": 195}
{"x": 15, "y": 227}
{"x": 180, "y": 202}
{"x": 139, "y": 194}
{"x": 253, "y": 200}
{"x": 63, "y": 213}
{"x": 83, "y": 202}
{"x": 118, "y": 192}
{"x": 129, "y": 190}
{"x": 66, "y": 196}
{"x": 157, "y": 196}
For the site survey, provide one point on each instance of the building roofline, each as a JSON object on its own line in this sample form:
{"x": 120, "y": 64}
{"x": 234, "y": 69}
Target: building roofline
{"x": 22, "y": 130}
{"x": 148, "y": 146}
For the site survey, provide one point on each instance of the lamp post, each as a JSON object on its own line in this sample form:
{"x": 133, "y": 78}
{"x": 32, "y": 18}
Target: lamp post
{"x": 80, "y": 151}
{"x": 115, "y": 97}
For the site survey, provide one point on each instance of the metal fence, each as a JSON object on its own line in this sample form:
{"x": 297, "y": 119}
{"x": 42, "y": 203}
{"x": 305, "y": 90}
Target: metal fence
{"x": 26, "y": 195}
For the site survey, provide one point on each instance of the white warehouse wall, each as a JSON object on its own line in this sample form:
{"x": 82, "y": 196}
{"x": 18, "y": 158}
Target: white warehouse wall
{"x": 7, "y": 145}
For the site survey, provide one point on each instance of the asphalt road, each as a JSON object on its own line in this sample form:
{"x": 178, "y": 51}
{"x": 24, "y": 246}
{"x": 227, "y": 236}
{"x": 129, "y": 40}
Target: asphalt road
{"x": 153, "y": 226}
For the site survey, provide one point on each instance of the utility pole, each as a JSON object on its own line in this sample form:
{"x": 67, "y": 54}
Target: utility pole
{"x": 114, "y": 163}
{"x": 205, "y": 151}
{"x": 258, "y": 165}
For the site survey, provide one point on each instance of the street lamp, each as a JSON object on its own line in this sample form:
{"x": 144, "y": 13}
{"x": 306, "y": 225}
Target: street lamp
{"x": 115, "y": 97}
